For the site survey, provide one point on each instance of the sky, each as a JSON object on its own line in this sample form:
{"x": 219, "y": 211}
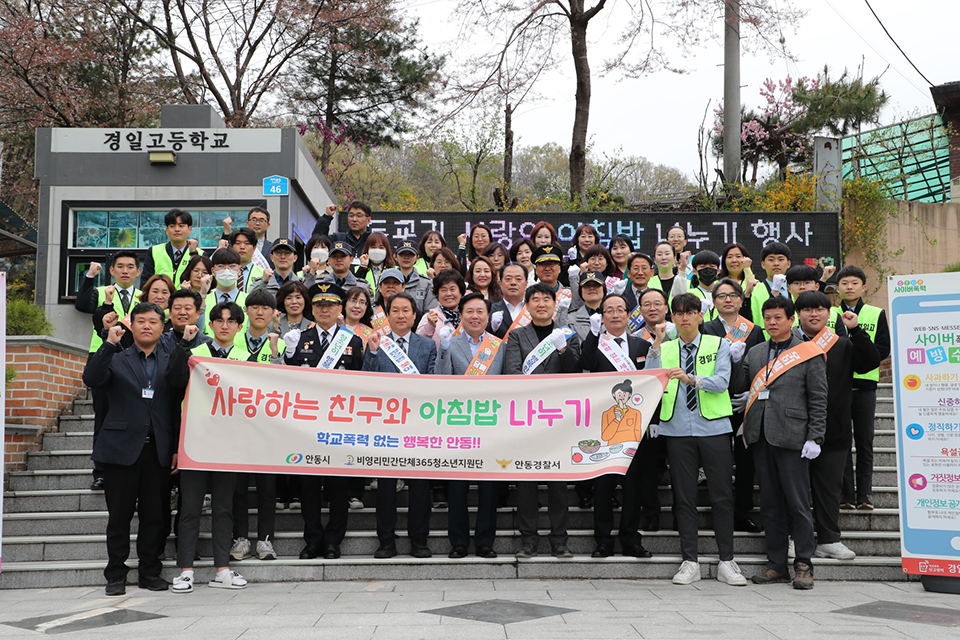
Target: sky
{"x": 659, "y": 116}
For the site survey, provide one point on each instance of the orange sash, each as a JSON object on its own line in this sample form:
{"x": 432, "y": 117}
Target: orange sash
{"x": 364, "y": 332}
{"x": 486, "y": 352}
{"x": 740, "y": 330}
{"x": 521, "y": 321}
{"x": 380, "y": 322}
{"x": 783, "y": 363}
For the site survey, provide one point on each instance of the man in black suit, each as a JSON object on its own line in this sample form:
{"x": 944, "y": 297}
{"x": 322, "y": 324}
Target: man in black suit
{"x": 396, "y": 353}
{"x": 137, "y": 446}
{"x": 727, "y": 298}
{"x": 638, "y": 495}
{"x": 847, "y": 356}
{"x": 639, "y": 272}
{"x": 319, "y": 347}
{"x": 563, "y": 356}
{"x": 513, "y": 285}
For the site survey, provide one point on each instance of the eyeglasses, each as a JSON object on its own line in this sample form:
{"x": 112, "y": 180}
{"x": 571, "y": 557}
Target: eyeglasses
{"x": 615, "y": 310}
{"x": 223, "y": 321}
{"x": 652, "y": 305}
{"x": 356, "y": 216}
{"x": 678, "y": 314}
{"x": 257, "y": 220}
{"x": 726, "y": 296}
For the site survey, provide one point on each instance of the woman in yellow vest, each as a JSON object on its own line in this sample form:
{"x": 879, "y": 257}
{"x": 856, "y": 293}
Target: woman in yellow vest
{"x": 430, "y": 243}
{"x": 376, "y": 258}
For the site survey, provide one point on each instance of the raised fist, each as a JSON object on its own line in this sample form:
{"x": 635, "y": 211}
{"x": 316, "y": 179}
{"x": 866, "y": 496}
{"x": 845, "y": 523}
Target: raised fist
{"x": 227, "y": 225}
{"x": 190, "y": 332}
{"x": 94, "y": 270}
{"x": 331, "y": 210}
{"x": 192, "y": 244}
{"x": 116, "y": 332}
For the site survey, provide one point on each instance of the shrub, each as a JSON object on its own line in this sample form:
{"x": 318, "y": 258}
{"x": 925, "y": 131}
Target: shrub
{"x": 24, "y": 318}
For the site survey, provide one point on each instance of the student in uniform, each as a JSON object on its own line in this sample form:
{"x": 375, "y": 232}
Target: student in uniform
{"x": 325, "y": 345}
{"x": 706, "y": 266}
{"x": 612, "y": 317}
{"x": 244, "y": 242}
{"x": 695, "y": 423}
{"x": 266, "y": 348}
{"x": 471, "y": 352}
{"x": 388, "y": 354}
{"x": 523, "y": 347}
{"x": 171, "y": 257}
{"x": 226, "y": 319}
{"x": 852, "y": 283}
{"x": 258, "y": 221}
{"x": 729, "y": 324}
{"x": 801, "y": 278}
{"x": 226, "y": 272}
{"x": 846, "y": 357}
{"x": 775, "y": 260}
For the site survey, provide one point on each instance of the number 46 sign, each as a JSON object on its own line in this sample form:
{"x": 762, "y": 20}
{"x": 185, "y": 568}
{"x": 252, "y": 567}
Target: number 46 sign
{"x": 276, "y": 186}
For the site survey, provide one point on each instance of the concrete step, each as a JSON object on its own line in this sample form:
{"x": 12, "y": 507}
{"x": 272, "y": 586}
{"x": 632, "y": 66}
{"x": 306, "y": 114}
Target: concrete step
{"x": 26, "y": 575}
{"x": 77, "y": 459}
{"x": 77, "y": 422}
{"x": 95, "y": 522}
{"x": 24, "y": 501}
{"x": 364, "y": 543}
{"x": 68, "y": 441}
{"x": 50, "y": 480}
{"x": 884, "y": 390}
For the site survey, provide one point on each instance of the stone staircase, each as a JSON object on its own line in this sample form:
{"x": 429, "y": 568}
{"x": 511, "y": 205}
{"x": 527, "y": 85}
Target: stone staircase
{"x": 54, "y": 531}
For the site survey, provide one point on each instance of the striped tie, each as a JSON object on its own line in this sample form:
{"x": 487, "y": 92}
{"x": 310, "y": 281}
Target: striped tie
{"x": 691, "y": 369}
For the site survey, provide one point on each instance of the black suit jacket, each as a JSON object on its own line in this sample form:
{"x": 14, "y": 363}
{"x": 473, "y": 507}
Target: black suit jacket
{"x": 120, "y": 376}
{"x": 308, "y": 352}
{"x": 595, "y": 362}
{"x": 500, "y": 305}
{"x": 855, "y": 354}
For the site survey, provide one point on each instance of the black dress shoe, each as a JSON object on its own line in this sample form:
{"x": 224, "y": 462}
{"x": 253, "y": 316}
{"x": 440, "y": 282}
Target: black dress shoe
{"x": 748, "y": 525}
{"x": 386, "y": 550}
{"x": 615, "y": 502}
{"x": 603, "y": 550}
{"x": 153, "y": 583}
{"x": 486, "y": 552}
{"x": 636, "y": 551}
{"x": 311, "y": 551}
{"x": 419, "y": 549}
{"x": 331, "y": 551}
{"x": 439, "y": 498}
{"x": 97, "y": 484}
{"x": 562, "y": 551}
{"x": 585, "y": 502}
{"x": 651, "y": 524}
{"x": 116, "y": 588}
{"x": 458, "y": 551}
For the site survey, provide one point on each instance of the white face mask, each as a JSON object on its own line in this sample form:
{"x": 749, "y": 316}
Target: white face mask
{"x": 319, "y": 254}
{"x": 377, "y": 255}
{"x": 227, "y": 277}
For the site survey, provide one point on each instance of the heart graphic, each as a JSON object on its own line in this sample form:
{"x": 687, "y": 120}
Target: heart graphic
{"x": 214, "y": 380}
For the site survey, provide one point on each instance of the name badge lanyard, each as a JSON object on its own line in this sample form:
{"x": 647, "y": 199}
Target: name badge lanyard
{"x": 765, "y": 394}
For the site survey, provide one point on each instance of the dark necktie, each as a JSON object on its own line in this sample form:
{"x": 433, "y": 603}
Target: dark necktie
{"x": 324, "y": 342}
{"x": 243, "y": 282}
{"x": 177, "y": 254}
{"x": 125, "y": 300}
{"x": 255, "y": 343}
{"x": 619, "y": 341}
{"x": 224, "y": 297}
{"x": 403, "y": 344}
{"x": 690, "y": 368}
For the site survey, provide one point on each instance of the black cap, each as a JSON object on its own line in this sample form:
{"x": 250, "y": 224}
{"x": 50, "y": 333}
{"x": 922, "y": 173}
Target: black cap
{"x": 546, "y": 253}
{"x": 326, "y": 292}
{"x": 406, "y": 245}
{"x": 340, "y": 246}
{"x": 283, "y": 243}
{"x": 595, "y": 277}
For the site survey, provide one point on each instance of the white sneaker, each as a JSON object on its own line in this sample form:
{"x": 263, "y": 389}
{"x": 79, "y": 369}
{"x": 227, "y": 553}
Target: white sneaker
{"x": 729, "y": 572}
{"x": 399, "y": 484}
{"x": 228, "y": 580}
{"x": 265, "y": 549}
{"x": 207, "y": 501}
{"x": 355, "y": 504}
{"x": 240, "y": 549}
{"x": 183, "y": 583}
{"x": 791, "y": 550}
{"x": 688, "y": 574}
{"x": 836, "y": 550}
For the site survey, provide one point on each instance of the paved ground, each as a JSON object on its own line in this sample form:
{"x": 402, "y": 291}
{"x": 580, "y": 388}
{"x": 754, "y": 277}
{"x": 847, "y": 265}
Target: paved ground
{"x": 581, "y": 609}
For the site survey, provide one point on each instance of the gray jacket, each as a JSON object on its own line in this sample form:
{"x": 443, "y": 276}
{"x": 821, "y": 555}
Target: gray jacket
{"x": 456, "y": 360}
{"x": 523, "y": 340}
{"x": 796, "y": 410}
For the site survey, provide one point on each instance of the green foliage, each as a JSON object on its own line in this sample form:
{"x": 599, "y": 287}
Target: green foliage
{"x": 24, "y": 318}
{"x": 951, "y": 268}
{"x": 840, "y": 106}
{"x": 11, "y": 373}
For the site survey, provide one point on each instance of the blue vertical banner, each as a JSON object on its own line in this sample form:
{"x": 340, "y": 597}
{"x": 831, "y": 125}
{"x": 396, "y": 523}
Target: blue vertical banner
{"x": 925, "y": 327}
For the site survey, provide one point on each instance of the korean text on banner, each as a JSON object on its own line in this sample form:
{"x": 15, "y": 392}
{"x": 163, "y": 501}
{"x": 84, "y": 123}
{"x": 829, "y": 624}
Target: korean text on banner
{"x": 925, "y": 316}
{"x": 246, "y": 417}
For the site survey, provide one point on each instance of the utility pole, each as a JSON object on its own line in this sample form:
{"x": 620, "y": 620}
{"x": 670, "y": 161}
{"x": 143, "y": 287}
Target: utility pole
{"x": 731, "y": 92}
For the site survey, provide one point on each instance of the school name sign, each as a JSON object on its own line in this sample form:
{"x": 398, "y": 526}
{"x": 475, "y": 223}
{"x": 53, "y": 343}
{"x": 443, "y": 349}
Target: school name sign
{"x": 255, "y": 418}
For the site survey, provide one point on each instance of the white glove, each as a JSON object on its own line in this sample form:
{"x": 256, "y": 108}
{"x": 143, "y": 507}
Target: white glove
{"x": 619, "y": 287}
{"x": 736, "y": 351}
{"x": 564, "y": 303}
{"x": 705, "y": 306}
{"x": 446, "y": 336}
{"x": 739, "y": 401}
{"x": 778, "y": 281}
{"x": 574, "y": 273}
{"x": 572, "y": 253}
{"x": 558, "y": 338}
{"x": 596, "y": 322}
{"x": 810, "y": 450}
{"x": 496, "y": 320}
{"x": 291, "y": 339}
{"x": 654, "y": 430}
